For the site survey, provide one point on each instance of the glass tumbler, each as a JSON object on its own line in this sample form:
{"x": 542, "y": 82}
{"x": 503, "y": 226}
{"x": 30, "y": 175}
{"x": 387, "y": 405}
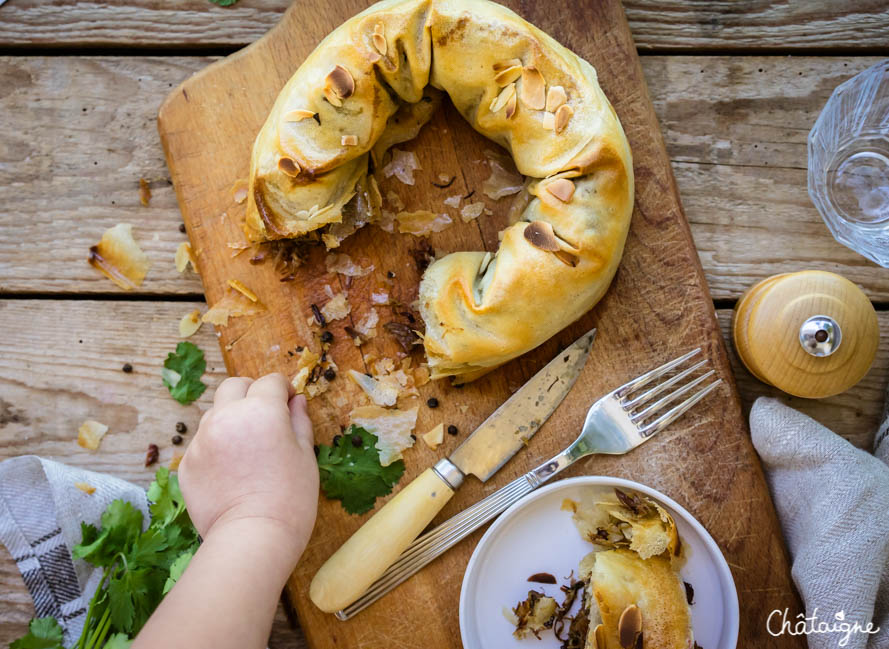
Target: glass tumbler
{"x": 849, "y": 163}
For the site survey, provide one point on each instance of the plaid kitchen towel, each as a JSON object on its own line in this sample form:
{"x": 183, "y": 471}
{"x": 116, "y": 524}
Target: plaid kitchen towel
{"x": 833, "y": 502}
{"x": 40, "y": 514}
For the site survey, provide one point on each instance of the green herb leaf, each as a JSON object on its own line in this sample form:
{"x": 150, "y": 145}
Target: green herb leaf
{"x": 353, "y": 474}
{"x": 224, "y": 3}
{"x": 118, "y": 641}
{"x": 121, "y": 526}
{"x": 182, "y": 373}
{"x": 43, "y": 633}
{"x": 178, "y": 569}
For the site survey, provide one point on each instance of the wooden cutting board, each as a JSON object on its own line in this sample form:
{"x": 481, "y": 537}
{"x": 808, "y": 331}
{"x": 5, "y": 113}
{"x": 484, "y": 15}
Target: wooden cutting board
{"x": 658, "y": 306}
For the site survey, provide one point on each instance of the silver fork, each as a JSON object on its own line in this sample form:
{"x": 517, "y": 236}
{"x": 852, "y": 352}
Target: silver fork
{"x": 616, "y": 424}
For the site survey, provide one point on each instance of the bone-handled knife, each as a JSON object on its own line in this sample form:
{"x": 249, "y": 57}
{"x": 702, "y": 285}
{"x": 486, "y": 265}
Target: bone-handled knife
{"x": 375, "y": 546}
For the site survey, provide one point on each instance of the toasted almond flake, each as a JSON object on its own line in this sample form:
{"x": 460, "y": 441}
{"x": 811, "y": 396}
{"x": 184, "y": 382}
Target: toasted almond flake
{"x": 505, "y": 65}
{"x": 190, "y": 323}
{"x": 185, "y": 256}
{"x": 298, "y": 115}
{"x": 119, "y": 257}
{"x": 503, "y": 98}
{"x": 341, "y": 82}
{"x": 175, "y": 461}
{"x": 144, "y": 192}
{"x": 629, "y": 626}
{"x": 349, "y": 140}
{"x": 232, "y": 305}
{"x": 502, "y": 182}
{"x": 507, "y": 76}
{"x": 380, "y": 44}
{"x": 422, "y": 222}
{"x": 289, "y": 166}
{"x": 434, "y": 437}
{"x": 382, "y": 391}
{"x": 555, "y": 97}
{"x": 561, "y": 188}
{"x": 86, "y": 488}
{"x": 336, "y": 308}
{"x": 367, "y": 326}
{"x": 549, "y": 121}
{"x": 511, "y": 106}
{"x": 239, "y": 191}
{"x": 239, "y": 286}
{"x": 472, "y": 211}
{"x": 392, "y": 427}
{"x": 344, "y": 265}
{"x": 331, "y": 96}
{"x": 453, "y": 201}
{"x": 533, "y": 88}
{"x": 90, "y": 434}
{"x": 563, "y": 115}
{"x": 540, "y": 234}
{"x": 402, "y": 166}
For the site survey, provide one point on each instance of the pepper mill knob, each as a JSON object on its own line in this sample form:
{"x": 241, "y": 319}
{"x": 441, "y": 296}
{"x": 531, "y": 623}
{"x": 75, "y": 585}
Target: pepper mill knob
{"x": 811, "y": 334}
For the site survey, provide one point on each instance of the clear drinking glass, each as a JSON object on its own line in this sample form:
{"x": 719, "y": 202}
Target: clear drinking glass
{"x": 849, "y": 163}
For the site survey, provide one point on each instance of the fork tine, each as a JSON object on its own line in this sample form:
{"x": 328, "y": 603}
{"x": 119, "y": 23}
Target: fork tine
{"x": 660, "y": 387}
{"x": 677, "y": 411}
{"x": 656, "y": 373}
{"x": 675, "y": 394}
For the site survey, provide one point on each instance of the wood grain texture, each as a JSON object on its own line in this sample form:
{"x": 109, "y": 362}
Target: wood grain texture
{"x": 656, "y": 25}
{"x": 735, "y": 130}
{"x": 658, "y": 305}
{"x": 90, "y": 383}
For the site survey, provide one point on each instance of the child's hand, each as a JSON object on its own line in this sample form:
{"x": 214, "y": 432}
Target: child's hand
{"x": 251, "y": 468}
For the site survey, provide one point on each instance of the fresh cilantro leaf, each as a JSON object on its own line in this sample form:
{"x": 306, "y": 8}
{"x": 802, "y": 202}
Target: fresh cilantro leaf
{"x": 43, "y": 633}
{"x": 182, "y": 373}
{"x": 133, "y": 596}
{"x": 167, "y": 503}
{"x": 118, "y": 641}
{"x": 177, "y": 570}
{"x": 121, "y": 526}
{"x": 224, "y": 3}
{"x": 353, "y": 474}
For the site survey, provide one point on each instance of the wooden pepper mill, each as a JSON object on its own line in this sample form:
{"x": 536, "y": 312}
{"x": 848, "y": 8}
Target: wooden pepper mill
{"x": 811, "y": 334}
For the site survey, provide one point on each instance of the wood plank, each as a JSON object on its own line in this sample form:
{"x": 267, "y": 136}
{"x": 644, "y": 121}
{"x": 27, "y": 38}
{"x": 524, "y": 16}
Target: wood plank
{"x": 206, "y": 127}
{"x": 49, "y": 382}
{"x": 736, "y": 137}
{"x": 656, "y": 25}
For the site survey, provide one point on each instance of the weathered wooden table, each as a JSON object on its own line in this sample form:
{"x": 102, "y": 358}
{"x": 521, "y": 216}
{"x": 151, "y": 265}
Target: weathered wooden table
{"x": 737, "y": 86}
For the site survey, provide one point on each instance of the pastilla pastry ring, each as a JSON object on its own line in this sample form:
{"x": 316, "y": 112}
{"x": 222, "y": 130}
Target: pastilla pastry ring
{"x": 512, "y": 83}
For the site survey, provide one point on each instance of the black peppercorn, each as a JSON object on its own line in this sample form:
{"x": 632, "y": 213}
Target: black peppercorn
{"x": 390, "y": 274}
{"x": 182, "y": 228}
{"x": 326, "y": 337}
{"x": 127, "y": 368}
{"x": 336, "y": 440}
{"x": 329, "y": 374}
{"x": 181, "y": 427}
{"x": 177, "y": 439}
{"x": 452, "y": 430}
{"x": 432, "y": 402}
{"x": 357, "y": 441}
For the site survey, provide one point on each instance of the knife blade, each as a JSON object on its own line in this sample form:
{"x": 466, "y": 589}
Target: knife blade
{"x": 508, "y": 429}
{"x": 380, "y": 541}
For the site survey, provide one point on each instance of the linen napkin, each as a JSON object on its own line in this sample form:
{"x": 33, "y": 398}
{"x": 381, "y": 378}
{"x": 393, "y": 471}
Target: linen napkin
{"x": 833, "y": 502}
{"x": 40, "y": 514}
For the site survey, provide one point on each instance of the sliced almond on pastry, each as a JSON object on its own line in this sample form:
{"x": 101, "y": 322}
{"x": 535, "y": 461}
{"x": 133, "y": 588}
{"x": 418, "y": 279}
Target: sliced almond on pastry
{"x": 561, "y": 188}
{"x": 298, "y": 115}
{"x": 503, "y": 98}
{"x": 340, "y": 82}
{"x": 549, "y": 121}
{"x": 511, "y": 105}
{"x": 540, "y": 234}
{"x": 507, "y": 76}
{"x": 555, "y": 97}
{"x": 564, "y": 114}
{"x": 379, "y": 39}
{"x": 349, "y": 140}
{"x": 505, "y": 65}
{"x": 533, "y": 88}
{"x": 629, "y": 627}
{"x": 289, "y": 166}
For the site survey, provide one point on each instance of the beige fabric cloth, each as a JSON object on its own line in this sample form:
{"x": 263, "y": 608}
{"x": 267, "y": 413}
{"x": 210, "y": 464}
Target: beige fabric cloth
{"x": 833, "y": 502}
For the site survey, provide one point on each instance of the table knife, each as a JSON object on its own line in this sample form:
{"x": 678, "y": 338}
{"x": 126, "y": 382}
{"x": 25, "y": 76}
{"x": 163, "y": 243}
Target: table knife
{"x": 366, "y": 555}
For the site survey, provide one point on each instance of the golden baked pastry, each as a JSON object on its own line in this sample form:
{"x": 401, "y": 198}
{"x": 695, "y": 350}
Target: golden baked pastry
{"x": 515, "y": 85}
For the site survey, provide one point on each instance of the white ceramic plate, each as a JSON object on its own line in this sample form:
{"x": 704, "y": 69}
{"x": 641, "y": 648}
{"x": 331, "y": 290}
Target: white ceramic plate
{"x": 535, "y": 535}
